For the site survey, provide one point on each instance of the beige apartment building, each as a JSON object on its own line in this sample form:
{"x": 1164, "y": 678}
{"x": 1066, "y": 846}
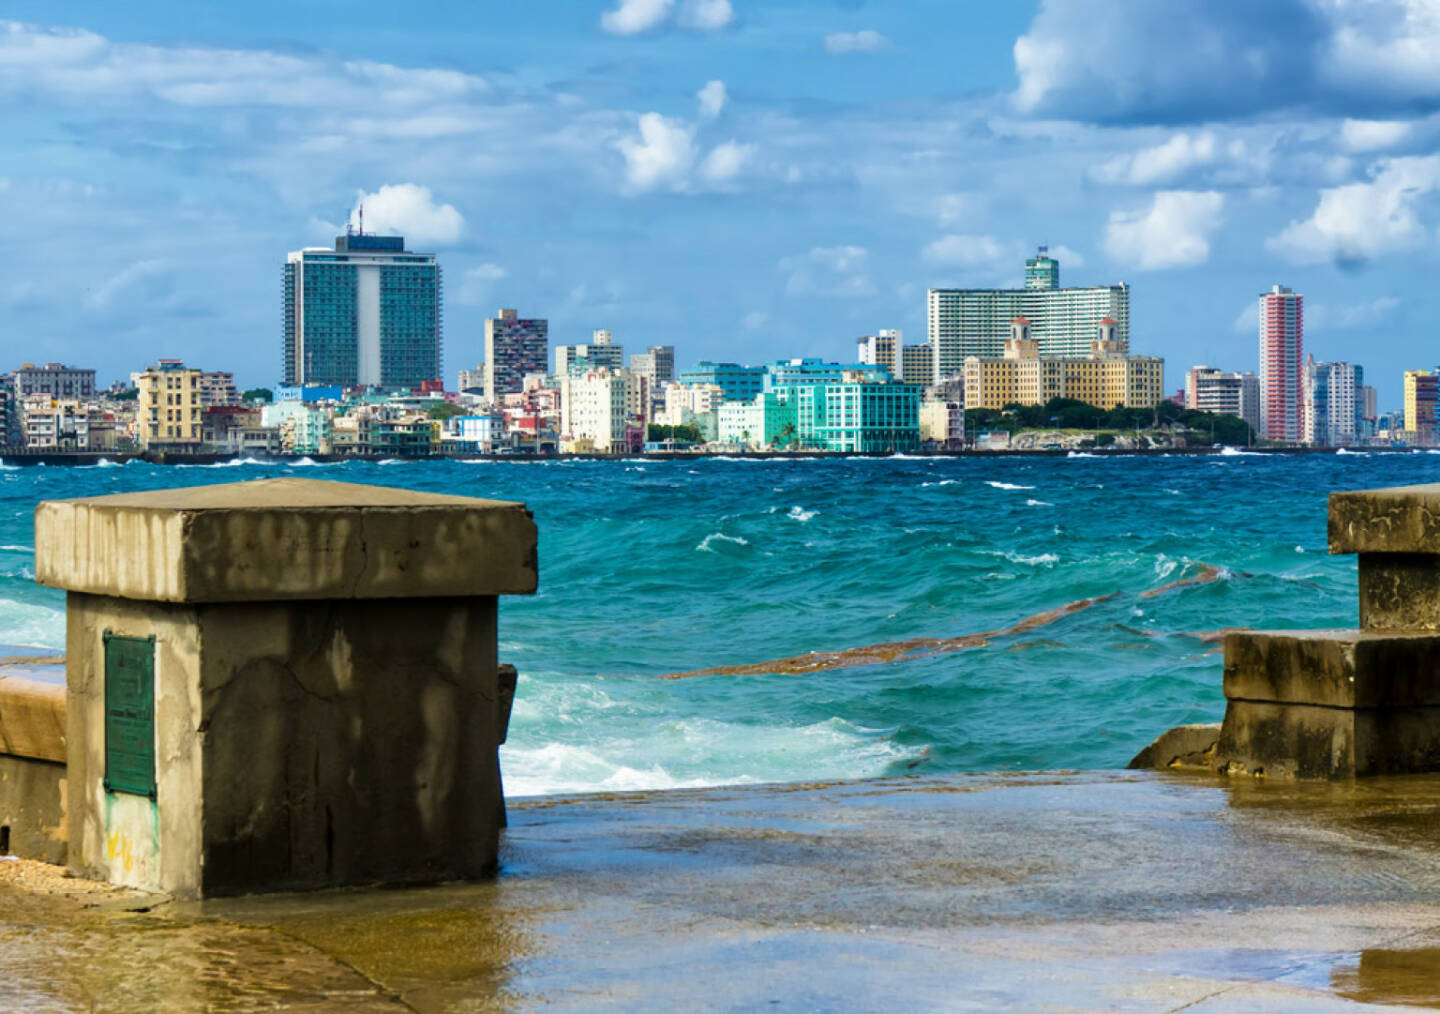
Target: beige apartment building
{"x": 170, "y": 406}
{"x": 1107, "y": 377}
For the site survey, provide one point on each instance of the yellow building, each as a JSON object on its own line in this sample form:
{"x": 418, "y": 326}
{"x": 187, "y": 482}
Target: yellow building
{"x": 169, "y": 405}
{"x": 1420, "y": 399}
{"x": 1105, "y": 378}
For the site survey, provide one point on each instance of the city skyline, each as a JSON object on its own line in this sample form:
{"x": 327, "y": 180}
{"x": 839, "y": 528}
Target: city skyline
{"x": 836, "y": 160}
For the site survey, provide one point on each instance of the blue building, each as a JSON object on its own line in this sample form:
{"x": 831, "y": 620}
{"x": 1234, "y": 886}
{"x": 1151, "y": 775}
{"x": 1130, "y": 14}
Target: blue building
{"x": 366, "y": 313}
{"x": 795, "y": 372}
{"x": 312, "y": 393}
{"x": 740, "y": 383}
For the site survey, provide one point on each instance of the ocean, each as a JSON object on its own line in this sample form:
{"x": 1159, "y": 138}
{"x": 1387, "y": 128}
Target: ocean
{"x": 862, "y": 617}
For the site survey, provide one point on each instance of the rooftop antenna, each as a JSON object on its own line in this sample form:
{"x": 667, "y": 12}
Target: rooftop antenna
{"x": 362, "y": 218}
{"x": 349, "y": 224}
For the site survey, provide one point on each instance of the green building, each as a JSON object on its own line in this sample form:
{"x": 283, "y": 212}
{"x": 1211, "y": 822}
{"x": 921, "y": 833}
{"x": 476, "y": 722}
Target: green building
{"x": 865, "y": 417}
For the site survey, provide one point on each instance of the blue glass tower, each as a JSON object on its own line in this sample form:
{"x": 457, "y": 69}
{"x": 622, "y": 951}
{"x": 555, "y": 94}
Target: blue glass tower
{"x": 367, "y": 313}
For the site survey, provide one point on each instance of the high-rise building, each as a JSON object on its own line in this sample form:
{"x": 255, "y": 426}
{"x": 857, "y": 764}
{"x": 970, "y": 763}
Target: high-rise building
{"x": 1421, "y": 389}
{"x": 976, "y": 322}
{"x": 1042, "y": 271}
{"x": 1331, "y": 412}
{"x": 656, "y": 364}
{"x": 1282, "y": 334}
{"x": 601, "y": 351}
{"x": 54, "y": 379}
{"x": 513, "y": 348}
{"x": 917, "y": 364}
{"x": 169, "y": 412}
{"x": 1212, "y": 390}
{"x": 367, "y": 313}
{"x": 594, "y": 410}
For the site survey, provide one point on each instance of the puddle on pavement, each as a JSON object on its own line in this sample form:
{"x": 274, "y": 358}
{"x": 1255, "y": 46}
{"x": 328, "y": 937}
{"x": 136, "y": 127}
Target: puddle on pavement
{"x": 1385, "y": 976}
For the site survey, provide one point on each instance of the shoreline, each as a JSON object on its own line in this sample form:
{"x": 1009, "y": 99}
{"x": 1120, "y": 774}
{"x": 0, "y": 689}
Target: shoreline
{"x": 93, "y": 459}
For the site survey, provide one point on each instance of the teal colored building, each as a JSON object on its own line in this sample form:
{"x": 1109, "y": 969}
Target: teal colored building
{"x": 858, "y": 416}
{"x": 784, "y": 373}
{"x": 767, "y": 421}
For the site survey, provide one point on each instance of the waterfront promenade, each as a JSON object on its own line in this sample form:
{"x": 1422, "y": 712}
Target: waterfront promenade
{"x": 1134, "y": 891}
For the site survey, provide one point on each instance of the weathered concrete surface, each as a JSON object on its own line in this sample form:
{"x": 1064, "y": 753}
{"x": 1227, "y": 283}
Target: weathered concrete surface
{"x": 32, "y": 719}
{"x": 1185, "y": 746}
{"x": 297, "y": 745}
{"x": 32, "y": 809}
{"x": 332, "y": 540}
{"x": 1403, "y": 519}
{"x": 1333, "y": 668}
{"x": 1139, "y": 892}
{"x": 339, "y": 726}
{"x": 1399, "y": 591}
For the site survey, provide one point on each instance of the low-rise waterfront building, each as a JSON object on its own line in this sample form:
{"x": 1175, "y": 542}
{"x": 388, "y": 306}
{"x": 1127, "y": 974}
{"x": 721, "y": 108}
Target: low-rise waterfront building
{"x": 942, "y": 424}
{"x": 1210, "y": 390}
{"x": 685, "y": 401}
{"x": 858, "y": 415}
{"x": 1107, "y": 377}
{"x": 594, "y": 411}
{"x": 169, "y": 410}
{"x": 766, "y": 421}
{"x": 55, "y": 379}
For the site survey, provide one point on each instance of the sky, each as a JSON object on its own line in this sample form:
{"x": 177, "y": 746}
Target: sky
{"x": 745, "y": 180}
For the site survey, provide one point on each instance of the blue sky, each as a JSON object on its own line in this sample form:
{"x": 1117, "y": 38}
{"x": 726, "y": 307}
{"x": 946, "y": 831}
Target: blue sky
{"x": 742, "y": 179}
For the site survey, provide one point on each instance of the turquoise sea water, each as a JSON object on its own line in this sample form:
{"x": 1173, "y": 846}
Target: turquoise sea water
{"x": 652, "y": 567}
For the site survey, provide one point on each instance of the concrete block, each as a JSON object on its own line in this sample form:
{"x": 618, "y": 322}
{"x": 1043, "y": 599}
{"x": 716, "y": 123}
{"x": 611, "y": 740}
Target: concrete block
{"x": 1403, "y": 519}
{"x": 285, "y": 539}
{"x": 314, "y": 666}
{"x": 32, "y": 719}
{"x": 1400, "y": 591}
{"x": 1333, "y": 668}
{"x": 1314, "y": 742}
{"x": 32, "y": 809}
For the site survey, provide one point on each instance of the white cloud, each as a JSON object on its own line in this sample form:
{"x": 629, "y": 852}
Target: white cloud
{"x": 662, "y": 156}
{"x": 142, "y": 276}
{"x": 477, "y": 283}
{"x": 1174, "y": 232}
{"x": 706, "y": 15}
{"x": 755, "y": 320}
{"x": 1371, "y": 135}
{"x": 864, "y": 41}
{"x": 711, "y": 99}
{"x": 1067, "y": 257}
{"x": 831, "y": 271}
{"x": 1248, "y": 320}
{"x": 725, "y": 161}
{"x": 1349, "y": 316}
{"x": 1358, "y": 222}
{"x": 409, "y": 210}
{"x": 958, "y": 250}
{"x": 632, "y": 17}
{"x": 1160, "y": 164}
{"x": 951, "y": 208}
{"x": 486, "y": 273}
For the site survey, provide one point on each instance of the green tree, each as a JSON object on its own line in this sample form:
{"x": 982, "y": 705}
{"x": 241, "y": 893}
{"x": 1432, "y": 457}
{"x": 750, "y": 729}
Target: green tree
{"x": 262, "y": 394}
{"x": 445, "y": 410}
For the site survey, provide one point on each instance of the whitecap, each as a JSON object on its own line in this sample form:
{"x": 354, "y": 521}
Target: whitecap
{"x": 798, "y": 513}
{"x": 942, "y": 482}
{"x": 1353, "y": 454}
{"x": 391, "y": 461}
{"x": 704, "y": 546}
{"x": 1235, "y": 452}
{"x": 1081, "y": 454}
{"x": 18, "y": 549}
{"x": 1032, "y": 502}
{"x": 1005, "y": 485}
{"x": 1039, "y": 560}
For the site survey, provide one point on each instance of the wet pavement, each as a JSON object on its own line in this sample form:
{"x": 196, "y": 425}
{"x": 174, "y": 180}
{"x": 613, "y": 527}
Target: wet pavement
{"x": 1118, "y": 891}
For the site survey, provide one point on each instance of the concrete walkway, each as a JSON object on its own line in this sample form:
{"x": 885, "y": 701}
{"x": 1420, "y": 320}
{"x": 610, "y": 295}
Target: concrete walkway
{"x": 1098, "y": 891}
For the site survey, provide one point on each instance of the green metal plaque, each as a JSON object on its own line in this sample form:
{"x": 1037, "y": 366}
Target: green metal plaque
{"x": 130, "y": 714}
